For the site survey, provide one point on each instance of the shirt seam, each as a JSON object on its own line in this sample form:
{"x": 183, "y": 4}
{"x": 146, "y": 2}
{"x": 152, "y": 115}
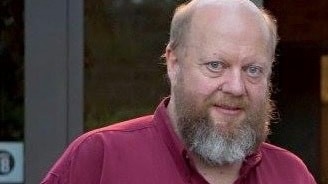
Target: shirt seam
{"x": 91, "y": 134}
{"x": 277, "y": 149}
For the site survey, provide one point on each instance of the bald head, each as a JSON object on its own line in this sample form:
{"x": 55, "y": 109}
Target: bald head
{"x": 233, "y": 14}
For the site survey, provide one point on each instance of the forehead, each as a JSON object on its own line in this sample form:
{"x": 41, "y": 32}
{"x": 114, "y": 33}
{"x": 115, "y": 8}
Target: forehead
{"x": 233, "y": 22}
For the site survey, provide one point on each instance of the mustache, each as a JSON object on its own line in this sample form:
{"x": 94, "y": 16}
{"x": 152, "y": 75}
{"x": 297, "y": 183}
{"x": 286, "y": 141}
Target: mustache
{"x": 228, "y": 101}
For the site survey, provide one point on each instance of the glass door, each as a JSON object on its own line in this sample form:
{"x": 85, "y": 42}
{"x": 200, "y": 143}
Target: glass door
{"x": 11, "y": 91}
{"x": 124, "y": 74}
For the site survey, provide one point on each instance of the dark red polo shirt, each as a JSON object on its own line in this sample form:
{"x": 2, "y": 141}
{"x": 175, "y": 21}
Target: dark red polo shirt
{"x": 147, "y": 151}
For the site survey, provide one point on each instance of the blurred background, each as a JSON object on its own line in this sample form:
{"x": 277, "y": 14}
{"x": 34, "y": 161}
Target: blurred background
{"x": 68, "y": 67}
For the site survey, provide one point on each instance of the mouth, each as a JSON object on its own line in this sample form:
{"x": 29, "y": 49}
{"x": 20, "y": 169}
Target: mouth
{"x": 231, "y": 110}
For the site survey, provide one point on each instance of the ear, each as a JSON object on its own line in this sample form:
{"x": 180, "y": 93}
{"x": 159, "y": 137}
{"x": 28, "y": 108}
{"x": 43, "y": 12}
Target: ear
{"x": 172, "y": 64}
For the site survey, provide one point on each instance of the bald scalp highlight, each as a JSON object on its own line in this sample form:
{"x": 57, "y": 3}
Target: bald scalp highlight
{"x": 182, "y": 18}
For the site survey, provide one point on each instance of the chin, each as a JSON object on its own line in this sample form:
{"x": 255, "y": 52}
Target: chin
{"x": 227, "y": 123}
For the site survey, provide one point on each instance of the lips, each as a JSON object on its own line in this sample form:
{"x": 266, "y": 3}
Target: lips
{"x": 228, "y": 109}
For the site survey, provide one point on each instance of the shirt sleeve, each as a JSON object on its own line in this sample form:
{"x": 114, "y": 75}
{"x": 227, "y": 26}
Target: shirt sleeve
{"x": 80, "y": 163}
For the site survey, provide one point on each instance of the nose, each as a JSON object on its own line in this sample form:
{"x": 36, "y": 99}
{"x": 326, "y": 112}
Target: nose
{"x": 233, "y": 83}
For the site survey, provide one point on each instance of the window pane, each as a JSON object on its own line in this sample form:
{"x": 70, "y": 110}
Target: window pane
{"x": 11, "y": 70}
{"x": 11, "y": 91}
{"x": 124, "y": 75}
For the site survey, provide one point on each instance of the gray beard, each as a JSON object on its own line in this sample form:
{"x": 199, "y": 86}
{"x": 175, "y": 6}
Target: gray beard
{"x": 213, "y": 147}
{"x": 207, "y": 141}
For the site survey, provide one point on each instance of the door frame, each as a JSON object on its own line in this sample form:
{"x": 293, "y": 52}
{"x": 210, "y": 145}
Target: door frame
{"x": 53, "y": 81}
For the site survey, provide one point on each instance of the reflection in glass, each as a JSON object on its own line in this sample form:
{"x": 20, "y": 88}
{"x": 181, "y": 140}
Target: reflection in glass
{"x": 11, "y": 70}
{"x": 124, "y": 75}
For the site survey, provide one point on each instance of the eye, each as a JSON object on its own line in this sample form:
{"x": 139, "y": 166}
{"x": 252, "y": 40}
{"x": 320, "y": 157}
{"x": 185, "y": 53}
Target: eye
{"x": 254, "y": 71}
{"x": 215, "y": 66}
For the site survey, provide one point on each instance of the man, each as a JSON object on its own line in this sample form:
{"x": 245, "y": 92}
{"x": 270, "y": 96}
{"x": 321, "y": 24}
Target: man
{"x": 213, "y": 127}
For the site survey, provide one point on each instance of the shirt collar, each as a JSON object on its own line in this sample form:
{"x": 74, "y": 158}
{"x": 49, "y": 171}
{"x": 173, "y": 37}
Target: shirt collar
{"x": 250, "y": 162}
{"x": 172, "y": 141}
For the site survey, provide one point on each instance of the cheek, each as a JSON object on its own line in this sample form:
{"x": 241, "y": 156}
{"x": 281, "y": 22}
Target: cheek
{"x": 257, "y": 93}
{"x": 200, "y": 85}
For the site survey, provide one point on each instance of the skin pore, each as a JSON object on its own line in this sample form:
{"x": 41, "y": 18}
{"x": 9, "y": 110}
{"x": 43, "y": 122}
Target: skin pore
{"x": 220, "y": 104}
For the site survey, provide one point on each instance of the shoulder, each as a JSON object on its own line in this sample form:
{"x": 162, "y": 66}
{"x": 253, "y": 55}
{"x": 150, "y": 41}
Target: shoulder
{"x": 126, "y": 126}
{"x": 133, "y": 125}
{"x": 100, "y": 136}
{"x": 281, "y": 162}
{"x": 272, "y": 150}
{"x": 87, "y": 151}
{"x": 279, "y": 154}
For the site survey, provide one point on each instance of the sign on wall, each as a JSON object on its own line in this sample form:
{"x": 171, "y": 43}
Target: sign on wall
{"x": 11, "y": 162}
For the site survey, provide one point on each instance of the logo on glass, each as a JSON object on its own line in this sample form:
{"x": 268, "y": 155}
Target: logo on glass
{"x": 7, "y": 162}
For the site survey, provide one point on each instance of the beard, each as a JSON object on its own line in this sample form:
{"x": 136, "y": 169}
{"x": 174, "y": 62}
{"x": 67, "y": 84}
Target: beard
{"x": 220, "y": 143}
